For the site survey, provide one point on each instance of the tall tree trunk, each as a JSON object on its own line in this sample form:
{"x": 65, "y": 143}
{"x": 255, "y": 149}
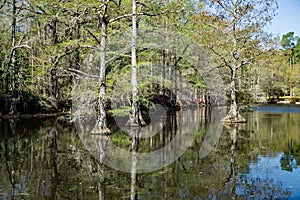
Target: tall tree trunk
{"x": 135, "y": 117}
{"x": 53, "y": 73}
{"x": 291, "y": 81}
{"x": 12, "y": 62}
{"x": 233, "y": 115}
{"x": 101, "y": 124}
{"x": 13, "y": 58}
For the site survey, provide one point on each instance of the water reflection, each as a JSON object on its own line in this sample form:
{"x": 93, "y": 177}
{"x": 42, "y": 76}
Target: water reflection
{"x": 101, "y": 141}
{"x": 233, "y": 130}
{"x": 281, "y": 108}
{"x": 290, "y": 158}
{"x": 248, "y": 185}
{"x": 46, "y": 159}
{"x": 53, "y": 160}
{"x": 165, "y": 146}
{"x": 134, "y": 161}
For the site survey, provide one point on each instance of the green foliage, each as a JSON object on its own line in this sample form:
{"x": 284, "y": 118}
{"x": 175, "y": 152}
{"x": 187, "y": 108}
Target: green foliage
{"x": 61, "y": 36}
{"x": 291, "y": 49}
{"x": 121, "y": 139}
{"x": 291, "y": 44}
{"x": 123, "y": 111}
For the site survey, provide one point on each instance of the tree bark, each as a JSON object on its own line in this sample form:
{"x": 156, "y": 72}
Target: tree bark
{"x": 53, "y": 73}
{"x": 233, "y": 115}
{"x": 12, "y": 62}
{"x": 101, "y": 124}
{"x": 135, "y": 116}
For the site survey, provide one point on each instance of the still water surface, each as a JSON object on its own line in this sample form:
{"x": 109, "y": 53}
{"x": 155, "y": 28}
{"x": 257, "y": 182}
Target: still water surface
{"x": 47, "y": 159}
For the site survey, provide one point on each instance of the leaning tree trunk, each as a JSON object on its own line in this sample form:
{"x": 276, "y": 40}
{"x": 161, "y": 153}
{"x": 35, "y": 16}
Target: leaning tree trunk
{"x": 135, "y": 117}
{"x": 101, "y": 124}
{"x": 233, "y": 115}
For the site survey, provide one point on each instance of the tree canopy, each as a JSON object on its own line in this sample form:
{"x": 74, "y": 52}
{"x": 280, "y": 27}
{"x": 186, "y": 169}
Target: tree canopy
{"x": 45, "y": 47}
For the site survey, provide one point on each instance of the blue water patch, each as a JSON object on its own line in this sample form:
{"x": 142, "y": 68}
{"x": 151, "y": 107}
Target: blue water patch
{"x": 275, "y": 108}
{"x": 267, "y": 178}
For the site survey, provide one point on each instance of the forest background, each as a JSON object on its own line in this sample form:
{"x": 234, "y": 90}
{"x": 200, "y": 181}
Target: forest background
{"x": 45, "y": 46}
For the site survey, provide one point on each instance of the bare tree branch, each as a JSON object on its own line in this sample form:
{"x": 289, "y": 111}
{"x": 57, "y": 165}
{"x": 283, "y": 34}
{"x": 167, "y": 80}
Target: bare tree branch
{"x": 116, "y": 56}
{"x": 220, "y": 56}
{"x": 14, "y": 49}
{"x": 59, "y": 57}
{"x": 224, "y": 7}
{"x": 142, "y": 13}
{"x": 90, "y": 47}
{"x": 1, "y": 6}
{"x": 93, "y": 35}
{"x": 83, "y": 73}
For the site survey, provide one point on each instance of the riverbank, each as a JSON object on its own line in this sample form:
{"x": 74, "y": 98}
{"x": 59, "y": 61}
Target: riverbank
{"x": 38, "y": 115}
{"x": 26, "y": 105}
{"x": 285, "y": 100}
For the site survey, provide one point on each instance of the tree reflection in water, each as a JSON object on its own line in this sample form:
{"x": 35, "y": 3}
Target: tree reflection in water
{"x": 243, "y": 186}
{"x": 135, "y": 132}
{"x": 289, "y": 159}
{"x": 46, "y": 159}
{"x": 101, "y": 140}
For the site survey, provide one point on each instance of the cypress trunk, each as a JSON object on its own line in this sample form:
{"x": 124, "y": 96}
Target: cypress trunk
{"x": 233, "y": 115}
{"x": 101, "y": 124}
{"x": 135, "y": 116}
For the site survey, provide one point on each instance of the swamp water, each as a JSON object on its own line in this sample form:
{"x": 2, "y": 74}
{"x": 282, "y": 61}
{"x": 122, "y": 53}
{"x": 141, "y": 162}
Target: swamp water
{"x": 47, "y": 159}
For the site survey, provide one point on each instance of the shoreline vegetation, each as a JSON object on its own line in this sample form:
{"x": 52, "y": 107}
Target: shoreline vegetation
{"x": 28, "y": 105}
{"x": 34, "y": 107}
{"x": 37, "y": 115}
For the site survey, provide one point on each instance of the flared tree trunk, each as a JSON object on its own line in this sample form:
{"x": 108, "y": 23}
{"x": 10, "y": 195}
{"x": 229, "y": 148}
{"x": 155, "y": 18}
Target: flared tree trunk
{"x": 135, "y": 116}
{"x": 101, "y": 124}
{"x": 233, "y": 115}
